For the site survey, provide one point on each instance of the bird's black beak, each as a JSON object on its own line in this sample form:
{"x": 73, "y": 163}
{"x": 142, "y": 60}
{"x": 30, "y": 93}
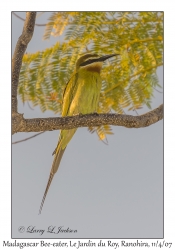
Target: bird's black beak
{"x": 103, "y": 58}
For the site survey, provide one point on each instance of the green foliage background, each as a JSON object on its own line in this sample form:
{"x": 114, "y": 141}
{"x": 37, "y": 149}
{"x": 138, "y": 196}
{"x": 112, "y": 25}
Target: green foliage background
{"x": 128, "y": 79}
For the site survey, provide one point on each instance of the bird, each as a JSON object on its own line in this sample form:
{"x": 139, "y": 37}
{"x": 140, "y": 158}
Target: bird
{"x": 81, "y": 96}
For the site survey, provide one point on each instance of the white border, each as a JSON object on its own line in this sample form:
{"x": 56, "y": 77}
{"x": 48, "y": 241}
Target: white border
{"x": 169, "y": 151}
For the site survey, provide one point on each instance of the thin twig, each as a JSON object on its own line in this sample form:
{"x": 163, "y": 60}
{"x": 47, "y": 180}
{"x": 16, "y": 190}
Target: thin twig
{"x": 15, "y": 142}
{"x": 36, "y": 24}
{"x": 157, "y": 90}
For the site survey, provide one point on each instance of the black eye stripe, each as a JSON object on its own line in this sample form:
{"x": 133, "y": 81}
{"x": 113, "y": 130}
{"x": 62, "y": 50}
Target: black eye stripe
{"x": 90, "y": 61}
{"x": 100, "y": 59}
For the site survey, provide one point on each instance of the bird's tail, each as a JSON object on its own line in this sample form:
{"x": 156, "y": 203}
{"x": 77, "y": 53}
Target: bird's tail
{"x": 46, "y": 190}
{"x": 56, "y": 162}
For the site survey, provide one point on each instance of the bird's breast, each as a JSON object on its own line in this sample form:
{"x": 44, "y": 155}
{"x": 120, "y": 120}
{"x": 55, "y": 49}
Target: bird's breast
{"x": 87, "y": 94}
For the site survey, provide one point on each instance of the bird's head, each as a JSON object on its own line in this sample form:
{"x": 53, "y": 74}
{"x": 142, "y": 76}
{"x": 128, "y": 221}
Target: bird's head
{"x": 92, "y": 62}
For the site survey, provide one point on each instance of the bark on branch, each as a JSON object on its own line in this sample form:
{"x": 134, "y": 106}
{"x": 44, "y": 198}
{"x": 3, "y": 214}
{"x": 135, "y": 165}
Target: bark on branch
{"x": 69, "y": 122}
{"x": 21, "y": 46}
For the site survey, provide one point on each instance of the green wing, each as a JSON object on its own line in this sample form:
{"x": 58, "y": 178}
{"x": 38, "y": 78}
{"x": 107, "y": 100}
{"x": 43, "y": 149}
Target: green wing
{"x": 69, "y": 93}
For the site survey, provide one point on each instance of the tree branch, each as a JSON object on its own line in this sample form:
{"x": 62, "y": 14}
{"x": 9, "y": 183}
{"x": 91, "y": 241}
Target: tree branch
{"x": 48, "y": 124}
{"x": 21, "y": 46}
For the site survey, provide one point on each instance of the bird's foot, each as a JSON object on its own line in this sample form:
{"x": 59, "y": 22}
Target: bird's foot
{"x": 95, "y": 113}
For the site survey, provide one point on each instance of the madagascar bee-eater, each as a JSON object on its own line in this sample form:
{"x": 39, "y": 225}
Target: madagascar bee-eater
{"x": 81, "y": 96}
